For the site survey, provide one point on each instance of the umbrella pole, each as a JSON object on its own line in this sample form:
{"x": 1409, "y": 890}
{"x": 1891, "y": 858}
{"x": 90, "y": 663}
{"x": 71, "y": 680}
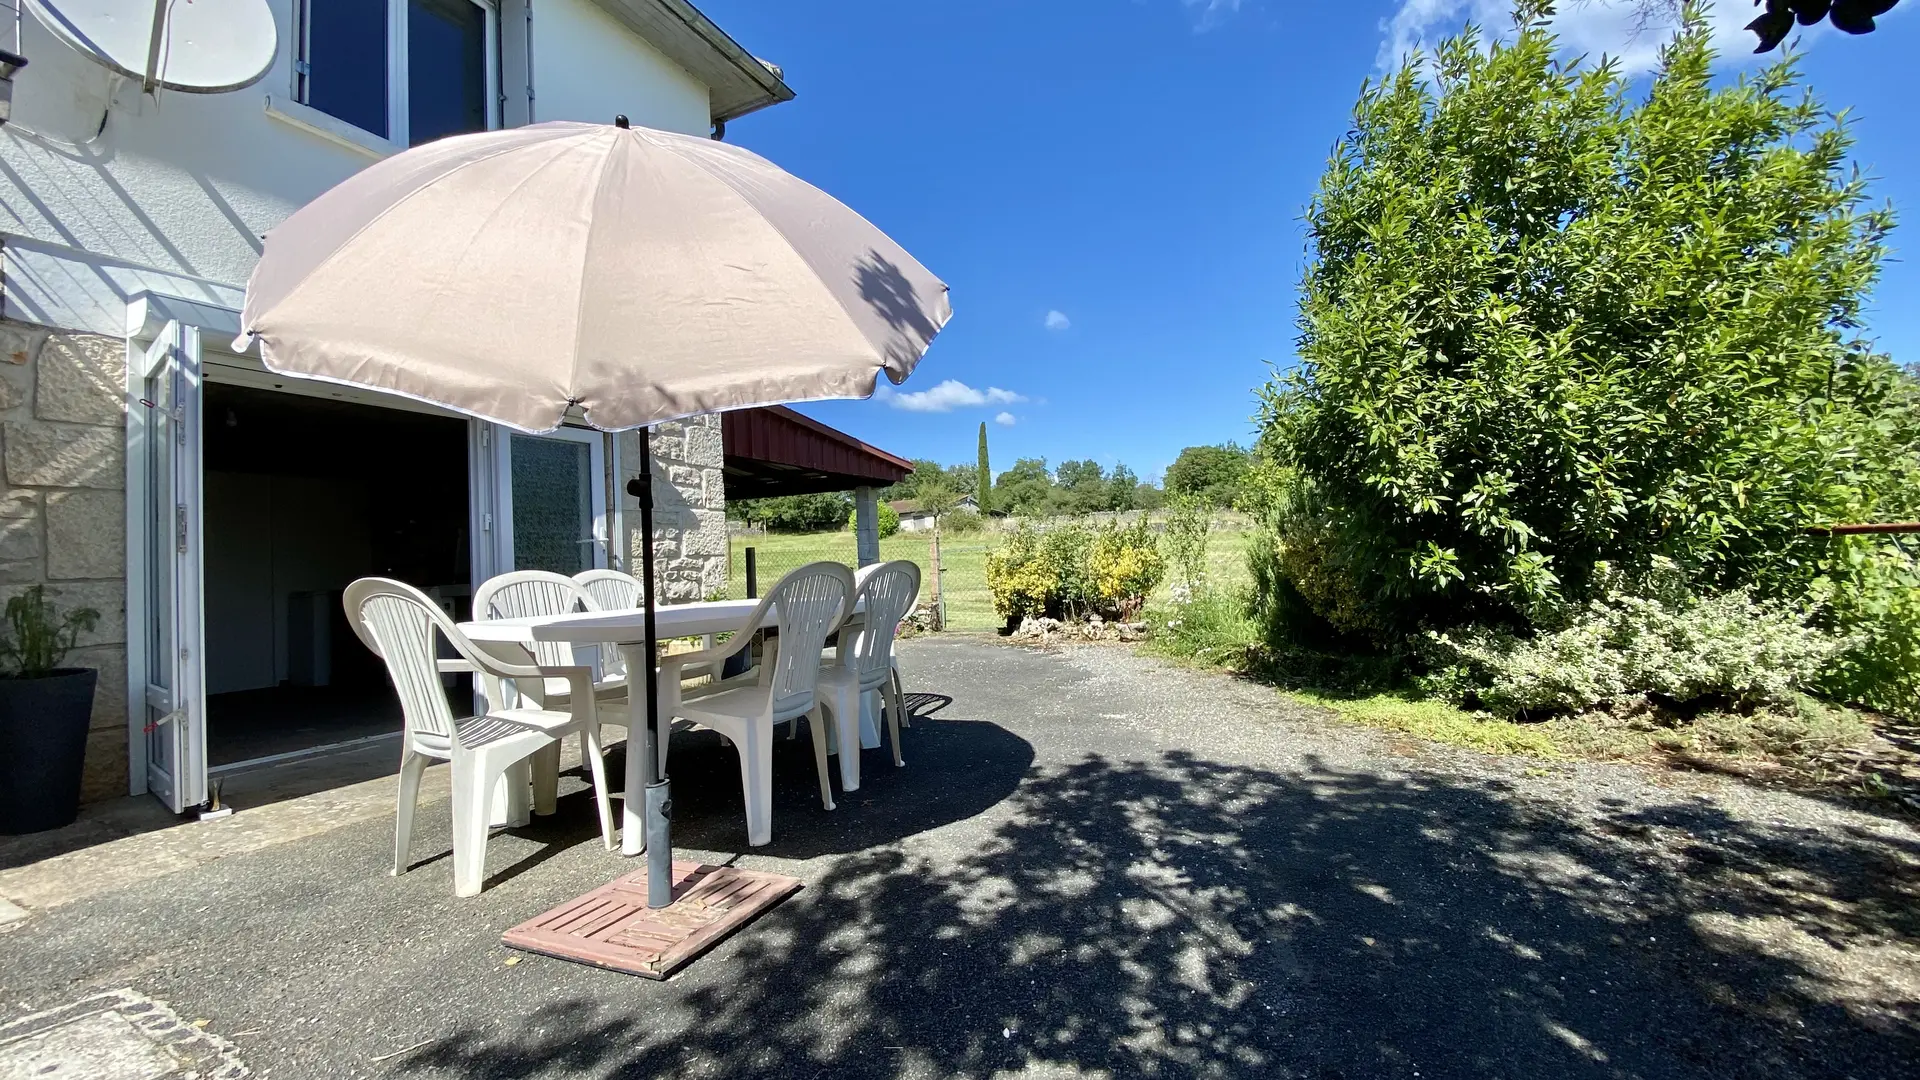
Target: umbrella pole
{"x": 659, "y": 801}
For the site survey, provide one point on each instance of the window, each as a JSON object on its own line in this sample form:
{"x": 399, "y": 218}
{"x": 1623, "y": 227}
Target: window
{"x": 408, "y": 71}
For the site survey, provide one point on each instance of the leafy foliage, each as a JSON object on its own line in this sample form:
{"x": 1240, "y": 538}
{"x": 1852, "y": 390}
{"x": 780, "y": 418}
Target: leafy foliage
{"x": 1876, "y": 599}
{"x": 887, "y": 519}
{"x": 1125, "y": 565}
{"x": 795, "y": 513}
{"x": 37, "y": 636}
{"x": 1210, "y": 626}
{"x": 1657, "y": 642}
{"x": 963, "y": 522}
{"x": 1213, "y": 473}
{"x": 1081, "y": 488}
{"x": 1023, "y": 489}
{"x": 1071, "y": 571}
{"x": 1547, "y": 329}
{"x": 1189, "y": 518}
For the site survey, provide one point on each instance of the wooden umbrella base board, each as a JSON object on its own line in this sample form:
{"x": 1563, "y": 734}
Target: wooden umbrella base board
{"x": 612, "y": 926}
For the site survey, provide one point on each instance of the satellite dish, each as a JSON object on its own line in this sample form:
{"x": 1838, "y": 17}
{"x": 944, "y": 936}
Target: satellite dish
{"x": 199, "y": 46}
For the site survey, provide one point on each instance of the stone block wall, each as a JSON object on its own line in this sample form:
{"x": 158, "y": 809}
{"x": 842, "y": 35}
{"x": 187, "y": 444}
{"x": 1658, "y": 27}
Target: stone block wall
{"x": 690, "y": 504}
{"x": 63, "y": 511}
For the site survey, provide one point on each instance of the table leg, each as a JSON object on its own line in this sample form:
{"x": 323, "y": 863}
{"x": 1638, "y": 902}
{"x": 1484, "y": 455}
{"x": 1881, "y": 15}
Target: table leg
{"x": 546, "y": 778}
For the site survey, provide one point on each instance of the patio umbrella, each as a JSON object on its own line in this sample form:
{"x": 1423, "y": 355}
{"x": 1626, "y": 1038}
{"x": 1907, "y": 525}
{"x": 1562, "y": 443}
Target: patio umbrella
{"x": 634, "y": 275}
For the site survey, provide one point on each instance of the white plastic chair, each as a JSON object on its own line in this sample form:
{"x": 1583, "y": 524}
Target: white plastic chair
{"x": 613, "y": 590}
{"x": 524, "y": 594}
{"x": 865, "y": 660}
{"x": 398, "y": 622}
{"x": 806, "y": 606}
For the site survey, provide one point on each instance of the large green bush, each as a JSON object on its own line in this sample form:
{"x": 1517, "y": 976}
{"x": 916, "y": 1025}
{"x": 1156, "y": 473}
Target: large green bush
{"x": 1654, "y": 641}
{"x": 1548, "y": 327}
{"x": 1072, "y": 571}
{"x": 887, "y": 520}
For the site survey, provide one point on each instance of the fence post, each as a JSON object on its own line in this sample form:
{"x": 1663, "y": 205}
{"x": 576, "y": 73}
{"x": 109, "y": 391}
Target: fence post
{"x": 939, "y": 594}
{"x": 753, "y": 580}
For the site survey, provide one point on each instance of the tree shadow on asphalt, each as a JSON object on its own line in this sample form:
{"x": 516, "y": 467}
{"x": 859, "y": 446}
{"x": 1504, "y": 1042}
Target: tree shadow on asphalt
{"x": 1185, "y": 917}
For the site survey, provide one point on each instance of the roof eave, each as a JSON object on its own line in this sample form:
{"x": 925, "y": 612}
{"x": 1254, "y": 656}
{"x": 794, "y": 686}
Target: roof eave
{"x": 737, "y": 82}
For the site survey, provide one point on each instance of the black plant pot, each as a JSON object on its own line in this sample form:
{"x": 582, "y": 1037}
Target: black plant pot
{"x": 43, "y": 742}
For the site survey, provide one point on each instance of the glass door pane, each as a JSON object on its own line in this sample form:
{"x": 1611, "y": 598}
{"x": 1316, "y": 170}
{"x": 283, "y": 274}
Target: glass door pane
{"x": 345, "y": 50}
{"x": 446, "y": 69}
{"x": 553, "y": 484}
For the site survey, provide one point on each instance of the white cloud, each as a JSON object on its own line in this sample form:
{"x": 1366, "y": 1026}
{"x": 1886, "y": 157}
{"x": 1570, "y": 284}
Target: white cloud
{"x": 1005, "y": 419}
{"x": 1057, "y": 320}
{"x": 1208, "y": 14}
{"x": 1592, "y": 27}
{"x": 948, "y": 396}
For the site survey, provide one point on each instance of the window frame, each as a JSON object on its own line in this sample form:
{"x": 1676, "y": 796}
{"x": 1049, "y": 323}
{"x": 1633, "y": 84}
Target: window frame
{"x": 398, "y": 136}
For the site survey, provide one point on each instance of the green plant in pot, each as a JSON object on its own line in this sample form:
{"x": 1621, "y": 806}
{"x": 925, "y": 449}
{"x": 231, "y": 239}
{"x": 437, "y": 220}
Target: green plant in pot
{"x": 45, "y": 710}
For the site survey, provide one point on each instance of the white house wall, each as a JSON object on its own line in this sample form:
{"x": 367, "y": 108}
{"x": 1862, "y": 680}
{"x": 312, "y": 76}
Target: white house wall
{"x": 172, "y": 196}
{"x": 588, "y": 66}
{"x": 174, "y": 193}
{"x": 184, "y": 184}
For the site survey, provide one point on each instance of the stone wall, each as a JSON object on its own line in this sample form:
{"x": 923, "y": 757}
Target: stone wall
{"x": 690, "y": 504}
{"x": 63, "y": 515}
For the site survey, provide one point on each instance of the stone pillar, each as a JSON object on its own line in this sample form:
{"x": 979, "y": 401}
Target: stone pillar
{"x": 63, "y": 511}
{"x": 690, "y": 508}
{"x": 866, "y": 542}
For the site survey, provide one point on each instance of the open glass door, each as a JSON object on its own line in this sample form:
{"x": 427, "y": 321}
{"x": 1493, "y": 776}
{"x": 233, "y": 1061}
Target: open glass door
{"x": 164, "y": 429}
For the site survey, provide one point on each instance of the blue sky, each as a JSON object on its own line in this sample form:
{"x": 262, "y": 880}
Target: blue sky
{"x": 1113, "y": 188}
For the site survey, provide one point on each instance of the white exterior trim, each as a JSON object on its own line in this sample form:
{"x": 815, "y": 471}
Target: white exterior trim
{"x": 314, "y": 122}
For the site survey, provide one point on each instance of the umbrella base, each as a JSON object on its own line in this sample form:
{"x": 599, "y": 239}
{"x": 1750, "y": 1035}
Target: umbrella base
{"x": 612, "y": 927}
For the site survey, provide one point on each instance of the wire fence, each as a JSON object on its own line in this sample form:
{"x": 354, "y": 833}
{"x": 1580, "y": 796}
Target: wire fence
{"x": 963, "y": 566}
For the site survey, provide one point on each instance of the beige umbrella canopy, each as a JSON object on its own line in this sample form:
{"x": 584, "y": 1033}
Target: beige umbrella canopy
{"x": 640, "y": 275}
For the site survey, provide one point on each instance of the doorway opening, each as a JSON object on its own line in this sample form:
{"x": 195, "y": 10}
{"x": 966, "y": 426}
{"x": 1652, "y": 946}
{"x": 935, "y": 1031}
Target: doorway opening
{"x": 302, "y": 495}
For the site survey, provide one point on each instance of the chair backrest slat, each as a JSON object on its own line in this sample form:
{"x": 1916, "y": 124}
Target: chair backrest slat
{"x": 611, "y": 589}
{"x": 886, "y": 594}
{"x": 528, "y": 593}
{"x": 808, "y": 605}
{"x": 400, "y": 624}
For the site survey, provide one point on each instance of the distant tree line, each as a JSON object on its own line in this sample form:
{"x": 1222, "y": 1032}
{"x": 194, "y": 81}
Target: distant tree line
{"x": 1216, "y": 474}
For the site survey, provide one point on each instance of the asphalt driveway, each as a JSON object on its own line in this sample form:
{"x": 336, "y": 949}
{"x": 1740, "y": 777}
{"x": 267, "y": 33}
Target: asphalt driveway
{"x": 1093, "y": 864}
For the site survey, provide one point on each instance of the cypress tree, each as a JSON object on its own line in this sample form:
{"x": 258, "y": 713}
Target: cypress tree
{"x": 985, "y": 477}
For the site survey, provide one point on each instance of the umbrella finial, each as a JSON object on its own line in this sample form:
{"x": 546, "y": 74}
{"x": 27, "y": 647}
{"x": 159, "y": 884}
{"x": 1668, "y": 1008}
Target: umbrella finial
{"x": 620, "y": 121}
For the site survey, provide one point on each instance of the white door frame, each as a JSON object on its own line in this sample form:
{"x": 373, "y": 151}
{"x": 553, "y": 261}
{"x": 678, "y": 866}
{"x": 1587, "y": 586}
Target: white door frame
{"x": 149, "y": 317}
{"x": 174, "y": 710}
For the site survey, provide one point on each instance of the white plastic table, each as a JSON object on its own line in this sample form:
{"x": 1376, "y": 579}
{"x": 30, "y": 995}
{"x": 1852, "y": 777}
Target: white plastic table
{"x": 627, "y": 630}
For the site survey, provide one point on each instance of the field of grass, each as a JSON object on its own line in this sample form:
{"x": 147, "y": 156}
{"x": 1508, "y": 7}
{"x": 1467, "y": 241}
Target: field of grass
{"x": 1226, "y": 565}
{"x": 963, "y": 560}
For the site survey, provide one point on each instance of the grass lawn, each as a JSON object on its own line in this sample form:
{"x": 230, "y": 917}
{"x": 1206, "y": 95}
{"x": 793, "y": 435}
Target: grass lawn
{"x": 963, "y": 560}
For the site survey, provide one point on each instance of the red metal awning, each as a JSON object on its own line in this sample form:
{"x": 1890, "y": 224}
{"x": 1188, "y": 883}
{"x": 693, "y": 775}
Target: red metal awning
{"x": 776, "y": 451}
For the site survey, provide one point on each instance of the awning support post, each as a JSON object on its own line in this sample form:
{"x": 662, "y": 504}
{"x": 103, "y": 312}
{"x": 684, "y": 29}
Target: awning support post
{"x": 866, "y": 526}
